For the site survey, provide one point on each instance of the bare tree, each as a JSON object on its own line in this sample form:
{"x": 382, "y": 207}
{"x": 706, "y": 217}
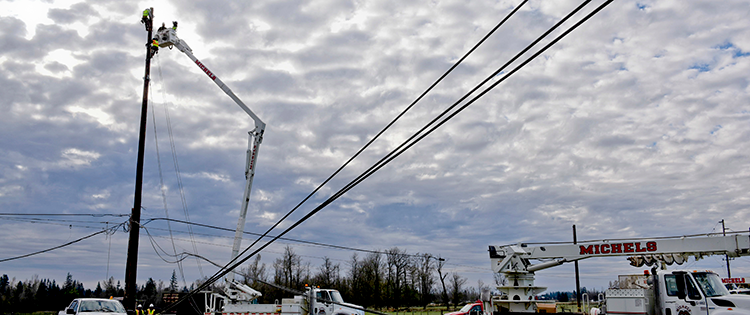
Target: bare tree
{"x": 397, "y": 267}
{"x": 328, "y": 275}
{"x": 441, "y": 263}
{"x": 366, "y": 280}
{"x": 426, "y": 279}
{"x": 254, "y": 273}
{"x": 288, "y": 270}
{"x": 456, "y": 284}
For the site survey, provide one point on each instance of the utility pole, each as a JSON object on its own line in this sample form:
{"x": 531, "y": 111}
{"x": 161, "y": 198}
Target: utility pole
{"x": 726, "y": 256}
{"x": 131, "y": 266}
{"x": 578, "y": 280}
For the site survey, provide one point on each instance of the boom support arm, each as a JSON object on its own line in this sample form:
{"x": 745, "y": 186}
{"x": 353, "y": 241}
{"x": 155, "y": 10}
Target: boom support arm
{"x": 167, "y": 37}
{"x": 516, "y": 258}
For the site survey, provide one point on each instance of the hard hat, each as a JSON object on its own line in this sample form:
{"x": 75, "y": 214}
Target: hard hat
{"x": 140, "y": 305}
{"x": 152, "y": 305}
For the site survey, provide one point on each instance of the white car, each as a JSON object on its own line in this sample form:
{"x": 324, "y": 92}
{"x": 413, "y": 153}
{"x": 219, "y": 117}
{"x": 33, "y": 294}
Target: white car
{"x": 94, "y": 307}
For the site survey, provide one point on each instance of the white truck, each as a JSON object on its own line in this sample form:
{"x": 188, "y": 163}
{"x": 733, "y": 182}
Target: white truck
{"x": 93, "y": 306}
{"x": 237, "y": 298}
{"x": 315, "y": 301}
{"x": 662, "y": 292}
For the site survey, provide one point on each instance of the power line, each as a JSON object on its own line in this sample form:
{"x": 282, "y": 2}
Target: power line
{"x": 176, "y": 164}
{"x": 68, "y": 214}
{"x": 386, "y": 127}
{"x": 63, "y": 245}
{"x": 300, "y": 241}
{"x": 226, "y": 269}
{"x": 421, "y": 134}
{"x": 48, "y": 221}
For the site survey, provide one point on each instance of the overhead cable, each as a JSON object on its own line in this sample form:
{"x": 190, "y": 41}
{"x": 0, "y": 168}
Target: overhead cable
{"x": 385, "y": 128}
{"x": 407, "y": 144}
{"x": 63, "y": 245}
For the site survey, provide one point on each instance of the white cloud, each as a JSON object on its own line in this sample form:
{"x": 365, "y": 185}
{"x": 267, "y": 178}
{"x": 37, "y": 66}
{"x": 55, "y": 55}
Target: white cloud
{"x": 637, "y": 118}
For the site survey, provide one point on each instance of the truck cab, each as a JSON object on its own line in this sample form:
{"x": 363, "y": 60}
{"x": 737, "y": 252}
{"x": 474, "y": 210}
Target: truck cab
{"x": 679, "y": 292}
{"x": 330, "y": 302}
{"x": 698, "y": 292}
{"x": 476, "y": 308}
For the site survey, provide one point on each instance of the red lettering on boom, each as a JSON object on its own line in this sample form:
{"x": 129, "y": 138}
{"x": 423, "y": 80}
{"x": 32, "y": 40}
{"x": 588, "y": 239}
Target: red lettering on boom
{"x": 628, "y": 247}
{"x": 617, "y": 248}
{"x": 638, "y": 248}
{"x": 205, "y": 70}
{"x": 586, "y": 250}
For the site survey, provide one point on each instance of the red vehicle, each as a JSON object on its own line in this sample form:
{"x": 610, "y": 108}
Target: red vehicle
{"x": 476, "y": 308}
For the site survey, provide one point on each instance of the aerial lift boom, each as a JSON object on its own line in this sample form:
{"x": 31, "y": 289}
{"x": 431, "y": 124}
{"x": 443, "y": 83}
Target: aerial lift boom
{"x": 167, "y": 37}
{"x": 515, "y": 261}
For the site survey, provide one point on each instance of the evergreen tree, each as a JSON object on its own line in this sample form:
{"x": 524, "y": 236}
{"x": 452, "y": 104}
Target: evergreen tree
{"x": 99, "y": 292}
{"x": 173, "y": 282}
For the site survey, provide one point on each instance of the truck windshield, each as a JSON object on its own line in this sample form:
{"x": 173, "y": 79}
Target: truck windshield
{"x": 101, "y": 306}
{"x": 710, "y": 284}
{"x": 336, "y": 297}
{"x": 466, "y": 308}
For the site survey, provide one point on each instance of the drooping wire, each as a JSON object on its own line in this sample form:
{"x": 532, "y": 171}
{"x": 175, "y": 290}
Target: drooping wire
{"x": 179, "y": 262}
{"x": 178, "y": 175}
{"x": 67, "y": 214}
{"x": 162, "y": 188}
{"x": 63, "y": 245}
{"x": 388, "y": 126}
{"x": 409, "y": 143}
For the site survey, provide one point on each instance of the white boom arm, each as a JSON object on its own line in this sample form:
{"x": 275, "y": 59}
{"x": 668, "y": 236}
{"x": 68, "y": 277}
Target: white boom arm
{"x": 167, "y": 37}
{"x": 516, "y": 258}
{"x": 514, "y": 261}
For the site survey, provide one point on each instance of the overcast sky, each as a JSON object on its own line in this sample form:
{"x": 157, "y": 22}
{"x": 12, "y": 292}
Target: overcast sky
{"x": 635, "y": 125}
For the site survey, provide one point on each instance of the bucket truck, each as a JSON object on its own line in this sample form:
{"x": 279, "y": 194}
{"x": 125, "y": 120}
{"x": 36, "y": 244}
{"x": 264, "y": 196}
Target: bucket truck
{"x": 662, "y": 292}
{"x": 238, "y": 297}
{"x": 167, "y": 37}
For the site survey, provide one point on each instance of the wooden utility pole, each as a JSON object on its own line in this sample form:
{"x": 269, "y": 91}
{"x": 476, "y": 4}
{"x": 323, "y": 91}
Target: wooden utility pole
{"x": 131, "y": 266}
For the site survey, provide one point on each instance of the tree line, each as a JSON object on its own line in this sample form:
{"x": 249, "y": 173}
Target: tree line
{"x": 391, "y": 279}
{"x": 38, "y": 294}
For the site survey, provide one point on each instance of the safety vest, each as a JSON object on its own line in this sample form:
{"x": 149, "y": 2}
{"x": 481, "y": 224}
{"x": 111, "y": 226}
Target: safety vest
{"x": 140, "y": 312}
{"x": 145, "y": 13}
{"x": 155, "y": 43}
{"x": 150, "y": 311}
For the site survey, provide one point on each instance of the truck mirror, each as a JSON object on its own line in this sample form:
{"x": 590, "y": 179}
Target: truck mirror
{"x": 680, "y": 279}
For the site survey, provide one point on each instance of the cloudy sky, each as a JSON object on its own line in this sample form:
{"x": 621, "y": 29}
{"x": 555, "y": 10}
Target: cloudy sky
{"x": 635, "y": 125}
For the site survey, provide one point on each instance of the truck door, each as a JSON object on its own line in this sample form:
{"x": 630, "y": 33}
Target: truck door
{"x": 682, "y": 295}
{"x": 476, "y": 310}
{"x": 323, "y": 307}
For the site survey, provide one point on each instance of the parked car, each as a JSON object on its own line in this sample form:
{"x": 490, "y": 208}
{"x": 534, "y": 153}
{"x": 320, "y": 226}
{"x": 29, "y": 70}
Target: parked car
{"x": 94, "y": 307}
